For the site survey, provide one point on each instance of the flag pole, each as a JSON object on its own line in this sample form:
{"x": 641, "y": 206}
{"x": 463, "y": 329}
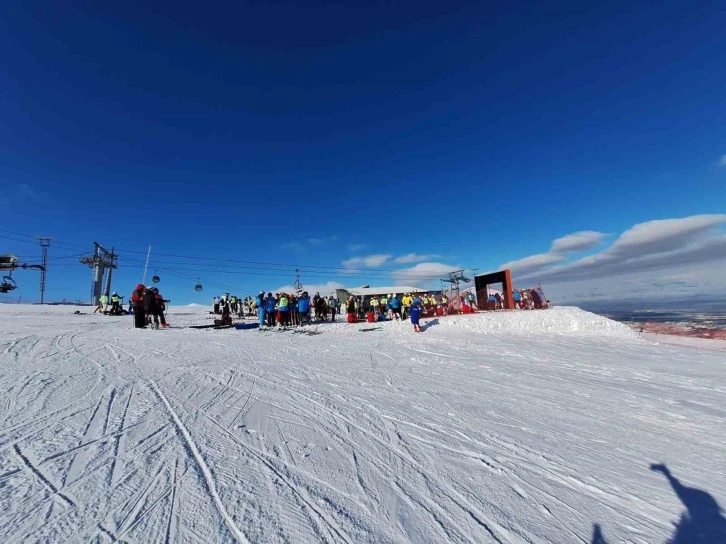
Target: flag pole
{"x": 143, "y": 281}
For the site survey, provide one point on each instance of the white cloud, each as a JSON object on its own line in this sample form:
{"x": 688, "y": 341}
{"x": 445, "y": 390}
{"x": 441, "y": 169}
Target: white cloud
{"x": 414, "y": 258}
{"x": 571, "y": 243}
{"x": 371, "y": 261}
{"x": 327, "y": 288}
{"x": 664, "y": 235}
{"x": 577, "y": 241}
{"x": 357, "y": 247}
{"x": 423, "y": 273}
{"x": 643, "y": 289}
{"x": 533, "y": 262}
{"x": 653, "y": 246}
{"x": 723, "y": 160}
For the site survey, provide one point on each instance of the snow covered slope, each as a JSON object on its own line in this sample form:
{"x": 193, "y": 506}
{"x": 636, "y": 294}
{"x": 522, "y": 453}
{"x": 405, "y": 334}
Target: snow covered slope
{"x": 501, "y": 427}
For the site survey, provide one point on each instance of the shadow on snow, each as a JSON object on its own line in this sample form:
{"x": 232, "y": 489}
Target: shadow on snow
{"x": 703, "y": 520}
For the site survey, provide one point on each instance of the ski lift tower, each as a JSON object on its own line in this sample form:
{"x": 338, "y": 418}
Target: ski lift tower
{"x": 298, "y": 286}
{"x": 44, "y": 244}
{"x": 454, "y": 279}
{"x": 99, "y": 262}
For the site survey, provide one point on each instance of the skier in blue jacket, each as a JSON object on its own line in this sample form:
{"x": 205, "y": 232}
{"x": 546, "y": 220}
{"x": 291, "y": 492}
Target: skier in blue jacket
{"x": 303, "y": 308}
{"x": 260, "y": 303}
{"x": 415, "y": 316}
{"x": 270, "y": 309}
{"x": 395, "y": 303}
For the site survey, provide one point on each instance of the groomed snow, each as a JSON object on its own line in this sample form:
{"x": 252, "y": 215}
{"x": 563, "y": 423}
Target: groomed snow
{"x": 501, "y": 427}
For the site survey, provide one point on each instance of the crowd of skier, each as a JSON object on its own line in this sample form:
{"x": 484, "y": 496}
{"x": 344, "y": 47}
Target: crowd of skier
{"x": 285, "y": 310}
{"x": 148, "y": 307}
{"x": 295, "y": 310}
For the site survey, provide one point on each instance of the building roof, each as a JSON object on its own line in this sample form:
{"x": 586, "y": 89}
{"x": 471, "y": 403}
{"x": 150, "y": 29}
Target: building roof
{"x": 397, "y": 289}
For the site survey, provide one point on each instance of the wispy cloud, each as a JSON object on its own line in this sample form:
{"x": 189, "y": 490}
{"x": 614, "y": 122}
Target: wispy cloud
{"x": 577, "y": 241}
{"x": 533, "y": 262}
{"x": 572, "y": 243}
{"x": 723, "y": 160}
{"x": 357, "y": 247}
{"x": 371, "y": 261}
{"x": 415, "y": 258}
{"x": 653, "y": 246}
{"x": 423, "y": 273}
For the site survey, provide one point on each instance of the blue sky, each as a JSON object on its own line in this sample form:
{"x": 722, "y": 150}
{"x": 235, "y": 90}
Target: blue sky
{"x": 378, "y": 142}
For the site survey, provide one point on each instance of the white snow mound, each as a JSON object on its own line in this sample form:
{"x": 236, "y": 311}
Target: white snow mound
{"x": 559, "y": 320}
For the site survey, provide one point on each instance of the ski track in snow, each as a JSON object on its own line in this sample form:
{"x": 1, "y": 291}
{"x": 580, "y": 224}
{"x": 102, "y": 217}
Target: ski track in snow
{"x": 506, "y": 427}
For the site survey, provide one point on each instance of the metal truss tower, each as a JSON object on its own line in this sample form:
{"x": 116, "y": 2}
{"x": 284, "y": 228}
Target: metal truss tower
{"x": 44, "y": 244}
{"x": 99, "y": 262}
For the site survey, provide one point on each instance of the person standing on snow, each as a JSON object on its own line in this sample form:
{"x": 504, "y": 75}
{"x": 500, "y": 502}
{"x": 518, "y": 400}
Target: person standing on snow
{"x": 115, "y": 304}
{"x": 161, "y": 306}
{"x": 270, "y": 303}
{"x": 292, "y": 310}
{"x": 332, "y": 306}
{"x": 224, "y": 308}
{"x": 102, "y": 303}
{"x": 154, "y": 306}
{"x": 415, "y": 317}
{"x": 151, "y": 308}
{"x": 350, "y": 307}
{"x": 137, "y": 301}
{"x": 303, "y": 308}
{"x": 395, "y": 307}
{"x": 284, "y": 310}
{"x": 406, "y": 303}
{"x": 445, "y": 303}
{"x": 260, "y": 303}
{"x": 316, "y": 306}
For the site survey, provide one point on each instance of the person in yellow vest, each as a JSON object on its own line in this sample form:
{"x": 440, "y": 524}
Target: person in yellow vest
{"x": 115, "y": 303}
{"x": 406, "y": 303}
{"x": 445, "y": 303}
{"x": 284, "y": 310}
{"x": 102, "y": 303}
{"x": 375, "y": 304}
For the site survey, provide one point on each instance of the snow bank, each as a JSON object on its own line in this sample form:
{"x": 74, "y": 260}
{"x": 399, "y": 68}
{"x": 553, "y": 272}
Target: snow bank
{"x": 559, "y": 320}
{"x": 569, "y": 321}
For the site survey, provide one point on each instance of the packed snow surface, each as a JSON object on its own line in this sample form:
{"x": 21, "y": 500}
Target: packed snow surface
{"x": 503, "y": 427}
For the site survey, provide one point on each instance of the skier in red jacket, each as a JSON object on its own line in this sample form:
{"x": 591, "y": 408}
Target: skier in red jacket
{"x": 137, "y": 300}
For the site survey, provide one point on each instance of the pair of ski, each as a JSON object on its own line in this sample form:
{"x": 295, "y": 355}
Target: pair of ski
{"x": 294, "y": 330}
